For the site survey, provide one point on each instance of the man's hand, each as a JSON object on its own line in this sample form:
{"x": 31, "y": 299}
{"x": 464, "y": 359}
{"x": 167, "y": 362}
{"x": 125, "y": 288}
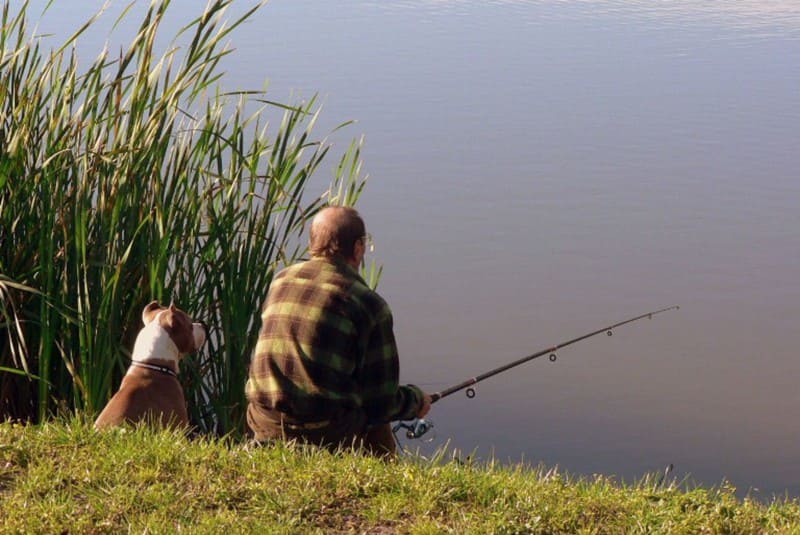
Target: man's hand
{"x": 426, "y": 405}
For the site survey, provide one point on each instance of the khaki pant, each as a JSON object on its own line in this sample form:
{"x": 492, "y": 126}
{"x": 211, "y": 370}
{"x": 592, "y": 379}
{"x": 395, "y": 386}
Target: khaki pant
{"x": 343, "y": 431}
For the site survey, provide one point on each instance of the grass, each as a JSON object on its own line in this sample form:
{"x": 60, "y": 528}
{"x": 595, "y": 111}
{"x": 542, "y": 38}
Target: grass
{"x": 141, "y": 177}
{"x": 63, "y": 477}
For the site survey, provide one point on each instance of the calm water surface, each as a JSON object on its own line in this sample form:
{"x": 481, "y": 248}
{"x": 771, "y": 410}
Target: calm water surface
{"x": 542, "y": 168}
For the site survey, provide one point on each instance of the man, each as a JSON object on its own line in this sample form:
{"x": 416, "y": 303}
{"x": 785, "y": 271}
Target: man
{"x": 325, "y": 369}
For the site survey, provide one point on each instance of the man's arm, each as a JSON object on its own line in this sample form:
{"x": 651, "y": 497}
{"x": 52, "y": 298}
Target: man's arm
{"x": 383, "y": 398}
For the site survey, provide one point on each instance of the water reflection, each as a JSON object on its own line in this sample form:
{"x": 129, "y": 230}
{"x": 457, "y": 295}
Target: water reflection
{"x": 748, "y": 17}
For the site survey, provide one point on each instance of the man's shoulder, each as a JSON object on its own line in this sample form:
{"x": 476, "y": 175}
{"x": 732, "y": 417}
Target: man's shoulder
{"x": 302, "y": 269}
{"x": 369, "y": 298}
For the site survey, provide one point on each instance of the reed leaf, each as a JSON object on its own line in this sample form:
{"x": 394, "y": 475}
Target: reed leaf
{"x": 139, "y": 178}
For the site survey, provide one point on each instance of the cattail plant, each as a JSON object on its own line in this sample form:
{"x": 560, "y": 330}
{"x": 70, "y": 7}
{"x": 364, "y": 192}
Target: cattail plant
{"x": 137, "y": 178}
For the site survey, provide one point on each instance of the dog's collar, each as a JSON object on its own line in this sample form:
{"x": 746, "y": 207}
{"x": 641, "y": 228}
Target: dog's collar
{"x": 162, "y": 369}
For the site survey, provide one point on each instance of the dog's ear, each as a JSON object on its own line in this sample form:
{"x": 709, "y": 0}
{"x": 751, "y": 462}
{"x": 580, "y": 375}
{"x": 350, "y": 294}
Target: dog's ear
{"x": 150, "y": 311}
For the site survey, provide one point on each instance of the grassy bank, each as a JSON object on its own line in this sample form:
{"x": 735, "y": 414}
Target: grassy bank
{"x": 66, "y": 478}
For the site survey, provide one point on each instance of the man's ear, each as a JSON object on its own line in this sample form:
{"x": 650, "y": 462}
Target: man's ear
{"x": 358, "y": 253}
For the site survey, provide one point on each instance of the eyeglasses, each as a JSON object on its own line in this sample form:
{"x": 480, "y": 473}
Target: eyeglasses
{"x": 368, "y": 242}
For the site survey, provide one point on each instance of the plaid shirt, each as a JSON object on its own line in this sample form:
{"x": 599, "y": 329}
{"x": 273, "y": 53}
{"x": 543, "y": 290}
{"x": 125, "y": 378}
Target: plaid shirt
{"x": 326, "y": 344}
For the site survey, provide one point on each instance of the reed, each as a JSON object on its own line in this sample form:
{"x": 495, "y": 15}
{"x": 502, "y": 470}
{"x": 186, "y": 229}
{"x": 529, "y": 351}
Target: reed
{"x": 140, "y": 177}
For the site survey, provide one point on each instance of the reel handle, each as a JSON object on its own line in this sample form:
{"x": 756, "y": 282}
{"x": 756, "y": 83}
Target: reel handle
{"x": 415, "y": 429}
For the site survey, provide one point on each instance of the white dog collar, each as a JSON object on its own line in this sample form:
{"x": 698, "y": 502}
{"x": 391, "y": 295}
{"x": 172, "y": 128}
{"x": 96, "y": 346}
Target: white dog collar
{"x": 162, "y": 369}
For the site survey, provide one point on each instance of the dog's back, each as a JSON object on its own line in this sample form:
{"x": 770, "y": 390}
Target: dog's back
{"x": 146, "y": 396}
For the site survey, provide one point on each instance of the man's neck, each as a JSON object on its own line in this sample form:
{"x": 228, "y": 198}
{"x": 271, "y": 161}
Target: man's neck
{"x": 352, "y": 262}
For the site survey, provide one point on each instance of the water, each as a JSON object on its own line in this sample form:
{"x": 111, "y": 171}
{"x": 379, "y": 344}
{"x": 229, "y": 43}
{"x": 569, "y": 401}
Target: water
{"x": 540, "y": 169}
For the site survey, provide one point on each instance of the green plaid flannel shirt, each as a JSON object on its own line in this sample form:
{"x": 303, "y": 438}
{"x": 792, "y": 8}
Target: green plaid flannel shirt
{"x": 327, "y": 344}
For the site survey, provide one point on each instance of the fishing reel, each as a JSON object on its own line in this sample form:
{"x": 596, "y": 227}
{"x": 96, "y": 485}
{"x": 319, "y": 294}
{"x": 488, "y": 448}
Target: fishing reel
{"x": 415, "y": 429}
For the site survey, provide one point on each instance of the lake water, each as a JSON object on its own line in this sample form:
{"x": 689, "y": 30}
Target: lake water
{"x": 542, "y": 168}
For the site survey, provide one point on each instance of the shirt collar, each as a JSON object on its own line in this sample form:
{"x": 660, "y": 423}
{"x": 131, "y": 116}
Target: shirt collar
{"x": 340, "y": 265}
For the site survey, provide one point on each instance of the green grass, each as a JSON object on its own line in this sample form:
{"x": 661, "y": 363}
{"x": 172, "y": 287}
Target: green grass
{"x": 64, "y": 477}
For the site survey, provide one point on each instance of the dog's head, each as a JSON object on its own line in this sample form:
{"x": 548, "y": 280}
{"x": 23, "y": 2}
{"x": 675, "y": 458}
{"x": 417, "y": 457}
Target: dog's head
{"x": 187, "y": 335}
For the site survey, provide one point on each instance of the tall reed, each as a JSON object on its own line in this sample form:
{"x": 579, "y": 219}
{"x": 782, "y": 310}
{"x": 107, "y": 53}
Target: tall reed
{"x": 140, "y": 178}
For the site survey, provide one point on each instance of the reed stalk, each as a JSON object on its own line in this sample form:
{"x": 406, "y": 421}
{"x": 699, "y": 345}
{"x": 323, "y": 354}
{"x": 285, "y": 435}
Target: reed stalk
{"x": 136, "y": 178}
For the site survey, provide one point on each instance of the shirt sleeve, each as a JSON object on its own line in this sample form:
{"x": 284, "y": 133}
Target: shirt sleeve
{"x": 383, "y": 398}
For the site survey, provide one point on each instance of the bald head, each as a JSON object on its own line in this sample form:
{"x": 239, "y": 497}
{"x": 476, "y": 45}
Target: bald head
{"x": 335, "y": 231}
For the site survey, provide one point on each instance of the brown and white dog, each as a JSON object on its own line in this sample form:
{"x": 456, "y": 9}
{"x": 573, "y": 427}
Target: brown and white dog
{"x": 150, "y": 390}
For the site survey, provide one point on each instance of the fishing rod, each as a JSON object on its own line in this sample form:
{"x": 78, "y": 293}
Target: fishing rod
{"x": 419, "y": 427}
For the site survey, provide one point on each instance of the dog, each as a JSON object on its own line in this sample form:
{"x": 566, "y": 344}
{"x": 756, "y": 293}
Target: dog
{"x": 150, "y": 391}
